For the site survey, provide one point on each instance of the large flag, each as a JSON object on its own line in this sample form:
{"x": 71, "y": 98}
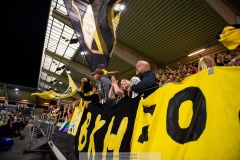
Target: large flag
{"x": 106, "y": 129}
{"x": 195, "y": 119}
{"x": 70, "y": 91}
{"x": 95, "y": 24}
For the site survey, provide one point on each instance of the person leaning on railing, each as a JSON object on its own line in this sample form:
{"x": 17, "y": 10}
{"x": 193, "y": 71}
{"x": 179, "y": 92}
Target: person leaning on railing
{"x": 116, "y": 93}
{"x": 92, "y": 98}
{"x": 148, "y": 83}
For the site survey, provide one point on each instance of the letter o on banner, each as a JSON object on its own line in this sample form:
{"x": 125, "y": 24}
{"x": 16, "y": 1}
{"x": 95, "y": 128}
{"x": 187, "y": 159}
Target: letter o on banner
{"x": 198, "y": 121}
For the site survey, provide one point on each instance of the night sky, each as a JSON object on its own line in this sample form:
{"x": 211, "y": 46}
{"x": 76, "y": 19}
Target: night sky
{"x": 23, "y": 30}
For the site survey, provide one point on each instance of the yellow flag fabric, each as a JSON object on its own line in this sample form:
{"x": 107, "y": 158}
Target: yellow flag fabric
{"x": 46, "y": 94}
{"x": 194, "y": 120}
{"x": 71, "y": 90}
{"x": 77, "y": 115}
{"x": 75, "y": 120}
{"x": 230, "y": 37}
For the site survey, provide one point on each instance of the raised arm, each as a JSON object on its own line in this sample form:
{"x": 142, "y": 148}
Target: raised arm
{"x": 111, "y": 94}
{"x": 117, "y": 90}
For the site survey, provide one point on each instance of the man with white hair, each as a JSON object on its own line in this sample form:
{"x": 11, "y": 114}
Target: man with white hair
{"x": 148, "y": 83}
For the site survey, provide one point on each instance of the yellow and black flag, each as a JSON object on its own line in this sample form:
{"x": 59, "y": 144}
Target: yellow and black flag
{"x": 195, "y": 119}
{"x": 95, "y": 23}
{"x": 71, "y": 90}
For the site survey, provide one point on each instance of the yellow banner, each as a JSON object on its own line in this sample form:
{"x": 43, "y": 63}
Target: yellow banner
{"x": 195, "y": 119}
{"x": 76, "y": 118}
{"x": 77, "y": 115}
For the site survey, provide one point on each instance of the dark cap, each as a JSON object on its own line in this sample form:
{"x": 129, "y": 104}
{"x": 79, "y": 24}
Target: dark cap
{"x": 101, "y": 66}
{"x": 98, "y": 71}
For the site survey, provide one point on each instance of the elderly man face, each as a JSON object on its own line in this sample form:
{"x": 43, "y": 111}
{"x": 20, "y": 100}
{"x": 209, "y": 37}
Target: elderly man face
{"x": 142, "y": 67}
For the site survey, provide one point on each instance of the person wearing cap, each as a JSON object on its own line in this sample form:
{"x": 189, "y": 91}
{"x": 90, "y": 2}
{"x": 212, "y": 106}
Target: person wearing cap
{"x": 103, "y": 84}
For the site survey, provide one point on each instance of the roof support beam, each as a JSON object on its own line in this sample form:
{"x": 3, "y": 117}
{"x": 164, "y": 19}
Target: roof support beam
{"x": 59, "y": 77}
{"x": 128, "y": 55}
{"x": 76, "y": 66}
{"x": 218, "y": 48}
{"x": 61, "y": 17}
{"x": 131, "y": 56}
{"x": 223, "y": 10}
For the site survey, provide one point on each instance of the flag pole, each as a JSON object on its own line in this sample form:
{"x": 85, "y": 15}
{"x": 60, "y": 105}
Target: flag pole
{"x": 58, "y": 102}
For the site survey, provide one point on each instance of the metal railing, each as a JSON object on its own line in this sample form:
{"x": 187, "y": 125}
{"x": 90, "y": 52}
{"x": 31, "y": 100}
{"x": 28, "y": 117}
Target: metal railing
{"x": 40, "y": 133}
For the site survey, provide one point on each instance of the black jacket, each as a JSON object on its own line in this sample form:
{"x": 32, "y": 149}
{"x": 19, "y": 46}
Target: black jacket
{"x": 93, "y": 97}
